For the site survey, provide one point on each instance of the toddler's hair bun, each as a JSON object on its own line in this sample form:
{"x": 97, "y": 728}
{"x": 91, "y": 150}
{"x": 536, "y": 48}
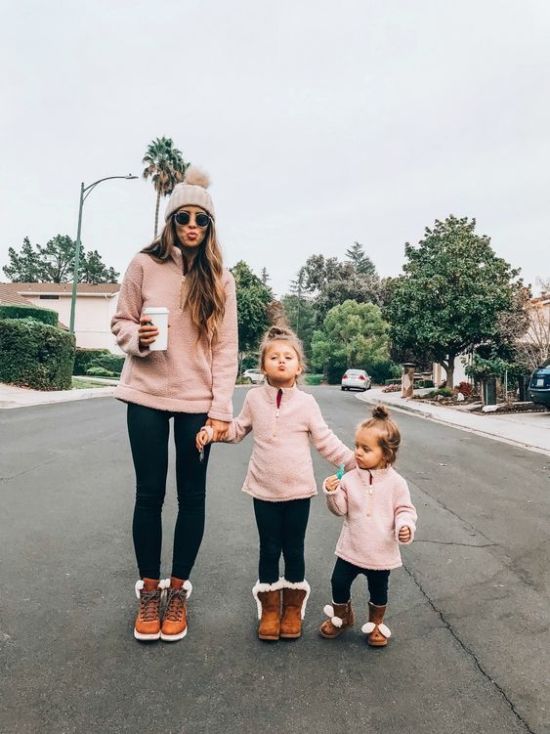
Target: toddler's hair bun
{"x": 196, "y": 177}
{"x": 380, "y": 412}
{"x": 279, "y": 330}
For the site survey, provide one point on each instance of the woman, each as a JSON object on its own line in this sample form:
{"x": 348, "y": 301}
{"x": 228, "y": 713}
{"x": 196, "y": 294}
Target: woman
{"x": 191, "y": 382}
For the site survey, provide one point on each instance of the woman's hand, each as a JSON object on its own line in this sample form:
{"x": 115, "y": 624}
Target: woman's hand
{"x": 220, "y": 428}
{"x": 332, "y": 483}
{"x": 404, "y": 534}
{"x": 147, "y": 333}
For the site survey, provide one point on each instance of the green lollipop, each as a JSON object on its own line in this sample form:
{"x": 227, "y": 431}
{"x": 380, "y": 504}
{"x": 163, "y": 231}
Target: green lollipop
{"x": 340, "y": 472}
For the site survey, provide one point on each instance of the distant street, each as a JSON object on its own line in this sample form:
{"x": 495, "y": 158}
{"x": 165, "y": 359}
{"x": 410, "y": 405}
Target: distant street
{"x": 469, "y": 612}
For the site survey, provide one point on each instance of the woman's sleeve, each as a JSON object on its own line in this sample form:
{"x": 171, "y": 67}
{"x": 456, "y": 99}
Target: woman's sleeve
{"x": 225, "y": 358}
{"x": 404, "y": 511}
{"x": 337, "y": 501}
{"x": 240, "y": 426}
{"x": 326, "y": 442}
{"x": 125, "y": 322}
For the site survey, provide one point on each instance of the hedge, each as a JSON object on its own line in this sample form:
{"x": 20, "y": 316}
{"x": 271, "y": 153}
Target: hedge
{"x": 90, "y": 358}
{"x": 35, "y": 355}
{"x": 44, "y": 315}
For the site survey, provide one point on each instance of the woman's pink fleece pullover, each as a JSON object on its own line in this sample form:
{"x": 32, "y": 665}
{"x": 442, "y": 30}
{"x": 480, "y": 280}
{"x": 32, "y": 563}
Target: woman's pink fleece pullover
{"x": 280, "y": 467}
{"x": 191, "y": 376}
{"x": 375, "y": 505}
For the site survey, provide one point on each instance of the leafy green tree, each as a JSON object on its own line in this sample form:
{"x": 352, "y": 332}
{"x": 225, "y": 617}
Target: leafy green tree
{"x": 452, "y": 294}
{"x": 360, "y": 260}
{"x": 353, "y": 335}
{"x": 54, "y": 263}
{"x": 253, "y": 301}
{"x": 165, "y": 167}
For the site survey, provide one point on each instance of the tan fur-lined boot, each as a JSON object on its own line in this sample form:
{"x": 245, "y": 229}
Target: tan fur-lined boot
{"x": 295, "y": 596}
{"x": 174, "y": 621}
{"x": 268, "y": 600}
{"x": 340, "y": 618}
{"x": 377, "y": 632}
{"x": 147, "y": 624}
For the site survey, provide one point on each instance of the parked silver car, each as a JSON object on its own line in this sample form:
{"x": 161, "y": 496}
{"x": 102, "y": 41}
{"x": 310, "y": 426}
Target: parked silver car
{"x": 356, "y": 380}
{"x": 255, "y": 376}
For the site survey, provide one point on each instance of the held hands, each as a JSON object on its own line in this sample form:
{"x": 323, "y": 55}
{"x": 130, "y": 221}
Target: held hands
{"x": 147, "y": 333}
{"x": 404, "y": 534}
{"x": 219, "y": 428}
{"x": 332, "y": 483}
{"x": 203, "y": 438}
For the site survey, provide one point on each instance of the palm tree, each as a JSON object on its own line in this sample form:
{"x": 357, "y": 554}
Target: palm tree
{"x": 165, "y": 166}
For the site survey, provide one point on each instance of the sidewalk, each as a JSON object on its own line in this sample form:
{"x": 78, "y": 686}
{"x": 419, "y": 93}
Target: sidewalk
{"x": 22, "y": 397}
{"x": 528, "y": 430}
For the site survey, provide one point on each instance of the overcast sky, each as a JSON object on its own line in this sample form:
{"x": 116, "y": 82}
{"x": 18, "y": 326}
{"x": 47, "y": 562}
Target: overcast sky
{"x": 319, "y": 122}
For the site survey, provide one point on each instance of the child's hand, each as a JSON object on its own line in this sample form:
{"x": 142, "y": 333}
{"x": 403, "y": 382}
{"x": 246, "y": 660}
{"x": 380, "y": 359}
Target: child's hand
{"x": 404, "y": 534}
{"x": 332, "y": 483}
{"x": 203, "y": 437}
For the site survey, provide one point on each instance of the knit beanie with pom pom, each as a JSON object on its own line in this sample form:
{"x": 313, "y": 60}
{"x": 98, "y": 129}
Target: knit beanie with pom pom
{"x": 191, "y": 192}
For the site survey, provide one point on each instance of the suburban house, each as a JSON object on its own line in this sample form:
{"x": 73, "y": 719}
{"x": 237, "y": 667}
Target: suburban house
{"x": 95, "y": 306}
{"x": 537, "y": 336}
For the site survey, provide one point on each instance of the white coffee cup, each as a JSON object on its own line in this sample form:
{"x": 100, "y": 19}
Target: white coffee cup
{"x": 158, "y": 316}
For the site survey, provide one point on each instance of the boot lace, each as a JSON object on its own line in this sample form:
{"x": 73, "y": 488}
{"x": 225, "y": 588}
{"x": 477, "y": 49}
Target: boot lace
{"x": 149, "y": 605}
{"x": 175, "y": 607}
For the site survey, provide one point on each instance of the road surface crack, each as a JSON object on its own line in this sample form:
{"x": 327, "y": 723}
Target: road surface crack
{"x": 468, "y": 651}
{"x": 451, "y": 542}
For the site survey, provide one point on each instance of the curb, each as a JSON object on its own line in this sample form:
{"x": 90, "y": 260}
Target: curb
{"x": 71, "y": 396}
{"x": 407, "y": 409}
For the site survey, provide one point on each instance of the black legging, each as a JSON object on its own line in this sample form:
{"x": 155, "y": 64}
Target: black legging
{"x": 282, "y": 528}
{"x": 149, "y": 431}
{"x": 344, "y": 575}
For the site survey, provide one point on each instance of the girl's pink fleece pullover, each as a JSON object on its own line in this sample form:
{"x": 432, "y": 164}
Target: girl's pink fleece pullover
{"x": 191, "y": 376}
{"x": 280, "y": 467}
{"x": 375, "y": 505}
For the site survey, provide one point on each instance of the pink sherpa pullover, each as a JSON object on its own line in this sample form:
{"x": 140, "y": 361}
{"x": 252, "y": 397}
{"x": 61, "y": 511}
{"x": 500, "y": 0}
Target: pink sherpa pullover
{"x": 376, "y": 504}
{"x": 280, "y": 467}
{"x": 191, "y": 376}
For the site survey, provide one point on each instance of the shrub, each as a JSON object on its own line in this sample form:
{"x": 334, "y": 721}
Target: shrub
{"x": 100, "y": 372}
{"x": 44, "y": 315}
{"x": 465, "y": 388}
{"x": 313, "y": 379}
{"x": 85, "y": 358}
{"x": 111, "y": 362}
{"x": 35, "y": 354}
{"x": 445, "y": 392}
{"x": 383, "y": 370}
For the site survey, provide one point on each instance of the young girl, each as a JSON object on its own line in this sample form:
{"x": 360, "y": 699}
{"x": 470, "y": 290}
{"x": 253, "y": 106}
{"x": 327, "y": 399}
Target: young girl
{"x": 280, "y": 478}
{"x": 375, "y": 502}
{"x": 188, "y": 384}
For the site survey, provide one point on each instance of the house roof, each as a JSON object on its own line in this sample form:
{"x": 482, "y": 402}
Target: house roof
{"x": 18, "y": 291}
{"x": 10, "y": 297}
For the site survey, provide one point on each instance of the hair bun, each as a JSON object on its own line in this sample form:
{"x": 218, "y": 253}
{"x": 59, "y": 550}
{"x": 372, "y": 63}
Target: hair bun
{"x": 279, "y": 330}
{"x": 380, "y": 412}
{"x": 196, "y": 177}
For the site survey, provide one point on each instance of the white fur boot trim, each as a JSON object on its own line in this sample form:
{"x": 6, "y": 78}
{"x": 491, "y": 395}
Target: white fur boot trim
{"x": 302, "y": 586}
{"x": 329, "y": 611}
{"x": 163, "y": 584}
{"x": 259, "y": 587}
{"x": 369, "y": 627}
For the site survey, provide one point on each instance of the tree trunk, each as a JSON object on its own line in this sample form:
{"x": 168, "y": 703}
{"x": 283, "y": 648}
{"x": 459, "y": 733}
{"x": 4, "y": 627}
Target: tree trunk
{"x": 157, "y": 213}
{"x": 450, "y": 370}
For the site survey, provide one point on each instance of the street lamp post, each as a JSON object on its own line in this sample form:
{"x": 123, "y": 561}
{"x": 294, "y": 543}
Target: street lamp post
{"x": 84, "y": 193}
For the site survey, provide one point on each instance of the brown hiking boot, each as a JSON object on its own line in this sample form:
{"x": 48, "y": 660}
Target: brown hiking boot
{"x": 268, "y": 599}
{"x": 147, "y": 625}
{"x": 295, "y": 596}
{"x": 174, "y": 621}
{"x": 340, "y": 618}
{"x": 377, "y": 632}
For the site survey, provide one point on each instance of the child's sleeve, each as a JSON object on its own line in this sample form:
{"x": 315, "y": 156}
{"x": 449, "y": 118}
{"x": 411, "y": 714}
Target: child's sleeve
{"x": 326, "y": 442}
{"x": 240, "y": 426}
{"x": 404, "y": 511}
{"x": 337, "y": 501}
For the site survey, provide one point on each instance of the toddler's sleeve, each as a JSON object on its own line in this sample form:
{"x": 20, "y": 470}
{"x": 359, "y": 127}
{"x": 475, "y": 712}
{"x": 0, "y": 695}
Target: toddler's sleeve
{"x": 337, "y": 501}
{"x": 240, "y": 426}
{"x": 404, "y": 511}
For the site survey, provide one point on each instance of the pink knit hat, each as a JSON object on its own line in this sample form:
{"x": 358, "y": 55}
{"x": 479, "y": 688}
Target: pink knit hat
{"x": 192, "y": 191}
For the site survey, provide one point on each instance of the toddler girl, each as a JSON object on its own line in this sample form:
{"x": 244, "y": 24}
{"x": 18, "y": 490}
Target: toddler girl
{"x": 280, "y": 478}
{"x": 375, "y": 502}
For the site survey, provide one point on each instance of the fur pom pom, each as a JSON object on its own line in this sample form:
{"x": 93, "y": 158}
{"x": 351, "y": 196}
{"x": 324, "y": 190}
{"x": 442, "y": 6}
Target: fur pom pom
{"x": 196, "y": 177}
{"x": 368, "y": 627}
{"x": 328, "y": 610}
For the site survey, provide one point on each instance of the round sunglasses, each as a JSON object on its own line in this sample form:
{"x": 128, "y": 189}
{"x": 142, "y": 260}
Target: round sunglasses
{"x": 202, "y": 220}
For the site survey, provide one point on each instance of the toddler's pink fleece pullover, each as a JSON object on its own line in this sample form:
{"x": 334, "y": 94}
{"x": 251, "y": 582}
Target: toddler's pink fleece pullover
{"x": 375, "y": 505}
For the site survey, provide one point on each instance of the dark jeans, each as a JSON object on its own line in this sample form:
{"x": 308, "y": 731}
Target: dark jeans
{"x": 149, "y": 431}
{"x": 282, "y": 529}
{"x": 344, "y": 575}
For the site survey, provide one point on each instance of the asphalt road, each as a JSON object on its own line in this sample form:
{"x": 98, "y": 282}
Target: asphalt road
{"x": 469, "y": 611}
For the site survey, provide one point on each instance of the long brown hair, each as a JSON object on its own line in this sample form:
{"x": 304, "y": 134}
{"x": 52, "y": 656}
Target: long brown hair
{"x": 205, "y": 294}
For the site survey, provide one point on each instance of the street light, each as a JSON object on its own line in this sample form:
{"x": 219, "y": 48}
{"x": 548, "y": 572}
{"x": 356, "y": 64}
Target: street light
{"x": 85, "y": 191}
